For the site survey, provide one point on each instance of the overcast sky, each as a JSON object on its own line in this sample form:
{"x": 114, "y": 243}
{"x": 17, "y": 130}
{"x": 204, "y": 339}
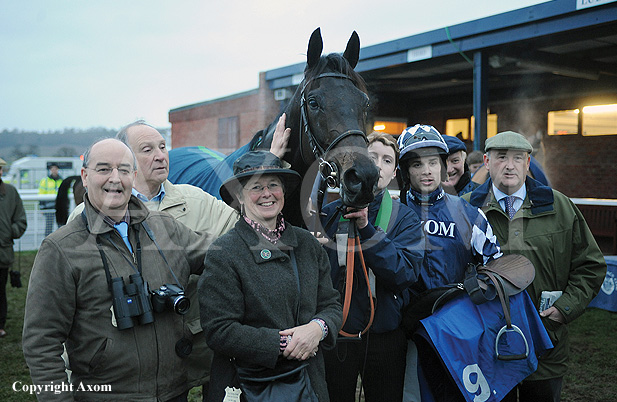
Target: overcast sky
{"x": 86, "y": 63}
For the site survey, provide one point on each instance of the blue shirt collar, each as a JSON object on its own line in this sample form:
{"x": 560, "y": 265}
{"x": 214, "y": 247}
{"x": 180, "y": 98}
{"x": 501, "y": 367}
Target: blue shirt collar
{"x": 159, "y": 197}
{"x": 520, "y": 193}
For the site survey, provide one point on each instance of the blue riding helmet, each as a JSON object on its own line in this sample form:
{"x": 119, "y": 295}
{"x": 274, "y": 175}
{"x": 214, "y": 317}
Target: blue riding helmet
{"x": 420, "y": 136}
{"x": 421, "y": 140}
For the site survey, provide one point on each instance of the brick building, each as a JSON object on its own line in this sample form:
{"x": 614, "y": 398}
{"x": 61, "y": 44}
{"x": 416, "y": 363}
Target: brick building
{"x": 227, "y": 123}
{"x": 536, "y": 70}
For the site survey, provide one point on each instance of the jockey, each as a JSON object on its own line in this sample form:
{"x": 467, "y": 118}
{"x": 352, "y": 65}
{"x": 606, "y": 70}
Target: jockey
{"x": 455, "y": 232}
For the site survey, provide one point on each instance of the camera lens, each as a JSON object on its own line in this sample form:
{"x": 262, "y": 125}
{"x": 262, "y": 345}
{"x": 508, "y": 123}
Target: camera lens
{"x": 181, "y": 304}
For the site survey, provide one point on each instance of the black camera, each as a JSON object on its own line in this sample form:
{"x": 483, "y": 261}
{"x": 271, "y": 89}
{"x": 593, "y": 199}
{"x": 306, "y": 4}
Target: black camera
{"x": 131, "y": 301}
{"x": 172, "y": 297}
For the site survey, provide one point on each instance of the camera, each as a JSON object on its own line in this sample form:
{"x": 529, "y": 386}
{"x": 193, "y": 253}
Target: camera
{"x": 172, "y": 297}
{"x": 131, "y": 301}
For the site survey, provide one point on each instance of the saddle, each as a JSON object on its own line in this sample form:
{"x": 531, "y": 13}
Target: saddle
{"x": 501, "y": 278}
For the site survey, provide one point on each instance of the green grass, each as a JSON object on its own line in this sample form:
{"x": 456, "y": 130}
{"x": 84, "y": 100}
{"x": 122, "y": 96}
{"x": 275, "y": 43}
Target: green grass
{"x": 12, "y": 364}
{"x": 593, "y": 358}
{"x": 592, "y": 375}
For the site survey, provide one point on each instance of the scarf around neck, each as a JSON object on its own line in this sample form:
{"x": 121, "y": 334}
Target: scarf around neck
{"x": 273, "y": 236}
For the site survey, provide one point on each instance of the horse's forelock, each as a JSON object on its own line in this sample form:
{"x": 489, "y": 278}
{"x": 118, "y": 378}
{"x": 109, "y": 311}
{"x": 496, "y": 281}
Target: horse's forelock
{"x": 335, "y": 62}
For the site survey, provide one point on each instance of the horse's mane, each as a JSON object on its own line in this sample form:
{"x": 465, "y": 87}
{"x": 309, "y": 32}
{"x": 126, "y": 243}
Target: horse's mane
{"x": 335, "y": 62}
{"x": 62, "y": 198}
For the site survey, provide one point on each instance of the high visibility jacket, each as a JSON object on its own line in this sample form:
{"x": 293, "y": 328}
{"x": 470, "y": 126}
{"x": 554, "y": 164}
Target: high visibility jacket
{"x": 48, "y": 185}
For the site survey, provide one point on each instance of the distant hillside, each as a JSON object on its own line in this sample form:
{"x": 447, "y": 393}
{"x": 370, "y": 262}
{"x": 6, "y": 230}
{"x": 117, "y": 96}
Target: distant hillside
{"x": 15, "y": 144}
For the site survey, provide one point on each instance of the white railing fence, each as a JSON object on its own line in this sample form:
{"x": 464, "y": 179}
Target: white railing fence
{"x": 40, "y": 220}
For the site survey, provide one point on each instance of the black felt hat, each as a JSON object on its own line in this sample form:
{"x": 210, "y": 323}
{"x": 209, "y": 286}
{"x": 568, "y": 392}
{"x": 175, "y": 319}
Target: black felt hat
{"x": 256, "y": 163}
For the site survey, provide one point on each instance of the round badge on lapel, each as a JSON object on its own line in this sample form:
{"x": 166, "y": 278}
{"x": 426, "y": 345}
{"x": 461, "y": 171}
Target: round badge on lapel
{"x": 266, "y": 254}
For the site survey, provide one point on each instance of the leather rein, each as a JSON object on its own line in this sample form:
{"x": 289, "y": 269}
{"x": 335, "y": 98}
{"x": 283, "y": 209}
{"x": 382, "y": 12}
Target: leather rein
{"x": 353, "y": 243}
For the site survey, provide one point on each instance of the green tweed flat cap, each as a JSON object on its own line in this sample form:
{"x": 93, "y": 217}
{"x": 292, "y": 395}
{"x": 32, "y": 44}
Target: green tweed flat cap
{"x": 508, "y": 140}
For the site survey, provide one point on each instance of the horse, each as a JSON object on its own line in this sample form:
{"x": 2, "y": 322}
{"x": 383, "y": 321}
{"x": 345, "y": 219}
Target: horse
{"x": 62, "y": 198}
{"x": 327, "y": 117}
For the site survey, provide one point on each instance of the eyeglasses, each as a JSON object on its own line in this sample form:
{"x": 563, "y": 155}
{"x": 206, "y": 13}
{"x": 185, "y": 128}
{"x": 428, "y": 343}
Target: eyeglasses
{"x": 106, "y": 171}
{"x": 258, "y": 189}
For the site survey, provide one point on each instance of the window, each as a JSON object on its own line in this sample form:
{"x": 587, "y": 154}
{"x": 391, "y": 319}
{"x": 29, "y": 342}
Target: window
{"x": 455, "y": 127}
{"x": 594, "y": 120}
{"x": 599, "y": 120}
{"x": 391, "y": 126}
{"x": 563, "y": 122}
{"x": 465, "y": 127}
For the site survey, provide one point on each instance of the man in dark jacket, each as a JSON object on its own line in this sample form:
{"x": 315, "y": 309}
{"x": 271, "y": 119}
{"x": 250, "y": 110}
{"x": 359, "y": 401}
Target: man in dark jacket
{"x": 459, "y": 177}
{"x": 12, "y": 226}
{"x": 89, "y": 290}
{"x": 542, "y": 224}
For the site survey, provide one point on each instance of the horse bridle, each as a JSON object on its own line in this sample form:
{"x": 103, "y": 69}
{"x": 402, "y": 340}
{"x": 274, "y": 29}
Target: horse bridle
{"x": 332, "y": 177}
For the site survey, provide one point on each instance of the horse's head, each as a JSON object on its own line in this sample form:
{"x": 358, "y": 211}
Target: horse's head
{"x": 332, "y": 106}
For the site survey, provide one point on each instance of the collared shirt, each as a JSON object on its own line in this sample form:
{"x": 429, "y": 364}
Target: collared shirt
{"x": 112, "y": 223}
{"x": 159, "y": 197}
{"x": 519, "y": 196}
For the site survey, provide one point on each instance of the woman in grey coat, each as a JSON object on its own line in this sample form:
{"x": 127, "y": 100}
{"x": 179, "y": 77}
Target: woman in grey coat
{"x": 256, "y": 308}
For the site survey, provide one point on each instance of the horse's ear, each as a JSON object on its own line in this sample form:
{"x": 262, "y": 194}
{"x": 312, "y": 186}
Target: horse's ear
{"x": 352, "y": 52}
{"x": 315, "y": 47}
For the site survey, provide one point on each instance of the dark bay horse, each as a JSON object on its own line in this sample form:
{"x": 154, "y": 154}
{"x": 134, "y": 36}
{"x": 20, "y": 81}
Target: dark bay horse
{"x": 327, "y": 117}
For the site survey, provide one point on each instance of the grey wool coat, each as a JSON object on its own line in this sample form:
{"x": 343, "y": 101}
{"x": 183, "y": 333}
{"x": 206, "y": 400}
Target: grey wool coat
{"x": 248, "y": 293}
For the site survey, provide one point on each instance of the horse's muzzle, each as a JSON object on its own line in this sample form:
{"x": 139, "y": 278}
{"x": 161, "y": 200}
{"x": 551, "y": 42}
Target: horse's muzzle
{"x": 358, "y": 185}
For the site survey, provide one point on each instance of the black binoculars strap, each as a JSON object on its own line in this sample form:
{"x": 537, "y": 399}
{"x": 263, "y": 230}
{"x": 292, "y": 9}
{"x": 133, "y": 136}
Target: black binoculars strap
{"x": 104, "y": 259}
{"x": 99, "y": 245}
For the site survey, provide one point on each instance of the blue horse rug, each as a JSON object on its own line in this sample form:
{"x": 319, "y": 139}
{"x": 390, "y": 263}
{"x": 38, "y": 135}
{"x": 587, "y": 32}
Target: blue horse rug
{"x": 202, "y": 167}
{"x": 461, "y": 338}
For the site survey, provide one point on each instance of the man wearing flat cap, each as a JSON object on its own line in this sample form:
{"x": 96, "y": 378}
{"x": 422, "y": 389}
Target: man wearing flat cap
{"x": 545, "y": 226}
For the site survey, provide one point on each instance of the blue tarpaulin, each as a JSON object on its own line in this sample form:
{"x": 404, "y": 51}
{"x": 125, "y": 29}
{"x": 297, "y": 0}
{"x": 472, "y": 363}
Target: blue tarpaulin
{"x": 202, "y": 167}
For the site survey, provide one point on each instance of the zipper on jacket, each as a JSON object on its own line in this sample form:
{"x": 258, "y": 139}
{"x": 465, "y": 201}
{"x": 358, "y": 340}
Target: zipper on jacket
{"x": 127, "y": 249}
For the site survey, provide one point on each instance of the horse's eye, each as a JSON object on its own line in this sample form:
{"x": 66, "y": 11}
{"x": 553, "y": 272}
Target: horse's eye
{"x": 313, "y": 103}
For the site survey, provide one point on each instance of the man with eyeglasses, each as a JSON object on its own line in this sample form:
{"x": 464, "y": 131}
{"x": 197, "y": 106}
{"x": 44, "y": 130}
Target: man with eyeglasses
{"x": 192, "y": 207}
{"x": 90, "y": 288}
